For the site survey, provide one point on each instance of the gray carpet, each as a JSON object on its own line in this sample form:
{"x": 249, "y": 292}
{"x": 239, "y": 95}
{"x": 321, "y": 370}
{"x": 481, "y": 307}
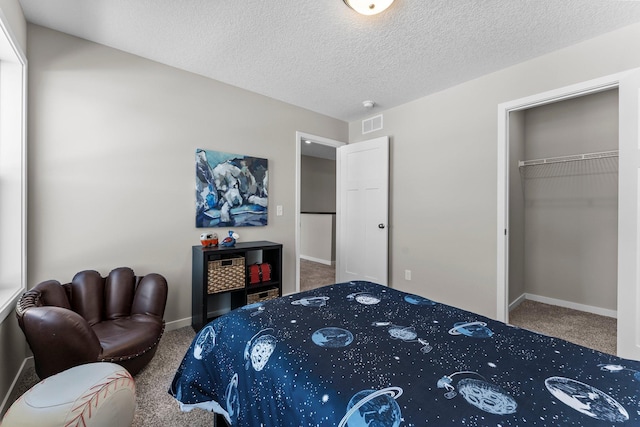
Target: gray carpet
{"x": 586, "y": 329}
{"x": 314, "y": 275}
{"x": 154, "y": 406}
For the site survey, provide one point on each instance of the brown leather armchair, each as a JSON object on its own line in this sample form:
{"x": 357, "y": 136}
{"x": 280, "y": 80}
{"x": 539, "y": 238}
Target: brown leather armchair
{"x": 117, "y": 319}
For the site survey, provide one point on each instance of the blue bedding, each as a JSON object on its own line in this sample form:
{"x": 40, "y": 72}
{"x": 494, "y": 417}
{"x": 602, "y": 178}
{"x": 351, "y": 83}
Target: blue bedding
{"x": 360, "y": 354}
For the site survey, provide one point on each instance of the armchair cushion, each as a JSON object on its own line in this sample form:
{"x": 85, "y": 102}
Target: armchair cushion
{"x": 113, "y": 319}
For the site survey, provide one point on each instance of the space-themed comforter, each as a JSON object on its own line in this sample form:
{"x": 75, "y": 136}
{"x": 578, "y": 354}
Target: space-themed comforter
{"x": 361, "y": 354}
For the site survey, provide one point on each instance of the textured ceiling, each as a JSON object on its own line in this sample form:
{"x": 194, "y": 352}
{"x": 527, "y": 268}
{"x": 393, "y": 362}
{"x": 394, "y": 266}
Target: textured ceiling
{"x": 322, "y": 56}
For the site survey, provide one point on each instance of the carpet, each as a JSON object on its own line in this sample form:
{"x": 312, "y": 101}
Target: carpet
{"x": 154, "y": 406}
{"x": 579, "y": 327}
{"x": 314, "y": 275}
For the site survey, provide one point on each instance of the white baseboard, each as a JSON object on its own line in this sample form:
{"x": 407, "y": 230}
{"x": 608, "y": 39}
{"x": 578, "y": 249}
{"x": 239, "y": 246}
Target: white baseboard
{"x": 517, "y": 301}
{"x": 177, "y": 324}
{"x": 566, "y": 304}
{"x": 318, "y": 260}
{"x": 10, "y": 398}
{"x": 181, "y": 323}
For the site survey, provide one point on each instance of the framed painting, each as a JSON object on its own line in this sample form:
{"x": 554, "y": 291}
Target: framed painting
{"x": 231, "y": 189}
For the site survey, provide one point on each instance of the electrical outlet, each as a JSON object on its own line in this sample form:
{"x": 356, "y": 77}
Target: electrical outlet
{"x": 407, "y": 275}
{"x": 279, "y": 210}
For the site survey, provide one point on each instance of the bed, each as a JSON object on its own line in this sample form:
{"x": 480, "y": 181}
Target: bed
{"x": 361, "y": 354}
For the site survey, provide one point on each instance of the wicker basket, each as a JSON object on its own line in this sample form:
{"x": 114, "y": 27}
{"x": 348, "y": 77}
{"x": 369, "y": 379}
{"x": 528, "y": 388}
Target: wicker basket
{"x": 263, "y": 296}
{"x": 225, "y": 275}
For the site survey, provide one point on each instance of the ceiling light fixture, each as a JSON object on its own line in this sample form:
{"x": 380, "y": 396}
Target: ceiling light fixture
{"x": 368, "y": 7}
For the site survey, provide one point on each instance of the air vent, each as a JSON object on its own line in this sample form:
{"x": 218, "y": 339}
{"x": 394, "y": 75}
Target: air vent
{"x": 372, "y": 124}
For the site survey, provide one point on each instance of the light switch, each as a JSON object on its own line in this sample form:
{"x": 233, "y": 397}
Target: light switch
{"x": 279, "y": 210}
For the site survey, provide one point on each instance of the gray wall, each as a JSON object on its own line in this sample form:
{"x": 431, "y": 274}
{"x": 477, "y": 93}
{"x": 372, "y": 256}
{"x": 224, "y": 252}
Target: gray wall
{"x": 443, "y": 201}
{"x": 112, "y": 141}
{"x": 111, "y": 162}
{"x": 317, "y": 194}
{"x": 571, "y": 209}
{"x": 317, "y": 184}
{"x": 317, "y": 237}
{"x": 13, "y": 349}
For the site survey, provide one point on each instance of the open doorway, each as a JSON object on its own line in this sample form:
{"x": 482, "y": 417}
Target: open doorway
{"x": 315, "y": 210}
{"x": 563, "y": 216}
{"x": 628, "y": 272}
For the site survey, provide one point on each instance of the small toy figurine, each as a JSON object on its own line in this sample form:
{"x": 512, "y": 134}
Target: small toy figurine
{"x": 231, "y": 239}
{"x": 209, "y": 239}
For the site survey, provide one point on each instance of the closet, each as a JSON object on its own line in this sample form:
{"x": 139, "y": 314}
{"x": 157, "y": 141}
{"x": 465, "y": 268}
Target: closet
{"x": 563, "y": 203}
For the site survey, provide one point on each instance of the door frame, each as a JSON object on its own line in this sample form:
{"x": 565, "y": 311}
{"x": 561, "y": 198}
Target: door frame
{"x": 573, "y": 91}
{"x": 317, "y": 140}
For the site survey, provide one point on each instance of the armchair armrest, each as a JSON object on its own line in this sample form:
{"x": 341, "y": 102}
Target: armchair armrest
{"x": 151, "y": 296}
{"x": 59, "y": 339}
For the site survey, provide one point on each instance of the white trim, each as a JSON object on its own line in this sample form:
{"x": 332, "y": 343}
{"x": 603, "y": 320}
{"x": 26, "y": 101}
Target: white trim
{"x": 13, "y": 40}
{"x": 13, "y": 84}
{"x": 8, "y": 300}
{"x": 628, "y": 341}
{"x": 9, "y": 398}
{"x": 318, "y": 260}
{"x": 564, "y": 93}
{"x": 522, "y": 298}
{"x": 177, "y": 324}
{"x": 320, "y": 140}
{"x": 566, "y": 304}
{"x": 502, "y": 274}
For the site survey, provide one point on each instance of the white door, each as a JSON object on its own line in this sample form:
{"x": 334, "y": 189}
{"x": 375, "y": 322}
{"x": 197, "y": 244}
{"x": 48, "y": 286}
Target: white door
{"x": 629, "y": 217}
{"x": 362, "y": 211}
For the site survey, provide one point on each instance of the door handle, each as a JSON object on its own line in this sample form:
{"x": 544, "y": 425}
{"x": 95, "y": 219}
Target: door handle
{"x": 380, "y": 225}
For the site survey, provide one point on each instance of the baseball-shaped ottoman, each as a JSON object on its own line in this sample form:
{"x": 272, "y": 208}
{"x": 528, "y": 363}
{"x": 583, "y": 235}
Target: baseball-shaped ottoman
{"x": 93, "y": 395}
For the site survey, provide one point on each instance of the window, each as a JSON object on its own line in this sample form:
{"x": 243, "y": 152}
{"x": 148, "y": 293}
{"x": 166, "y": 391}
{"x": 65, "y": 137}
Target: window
{"x": 13, "y": 83}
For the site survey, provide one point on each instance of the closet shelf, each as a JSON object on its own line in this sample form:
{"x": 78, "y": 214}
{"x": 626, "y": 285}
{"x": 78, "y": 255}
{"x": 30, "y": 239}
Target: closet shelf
{"x": 572, "y": 158}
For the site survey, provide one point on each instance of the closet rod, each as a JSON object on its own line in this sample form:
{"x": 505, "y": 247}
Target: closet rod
{"x": 573, "y": 158}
